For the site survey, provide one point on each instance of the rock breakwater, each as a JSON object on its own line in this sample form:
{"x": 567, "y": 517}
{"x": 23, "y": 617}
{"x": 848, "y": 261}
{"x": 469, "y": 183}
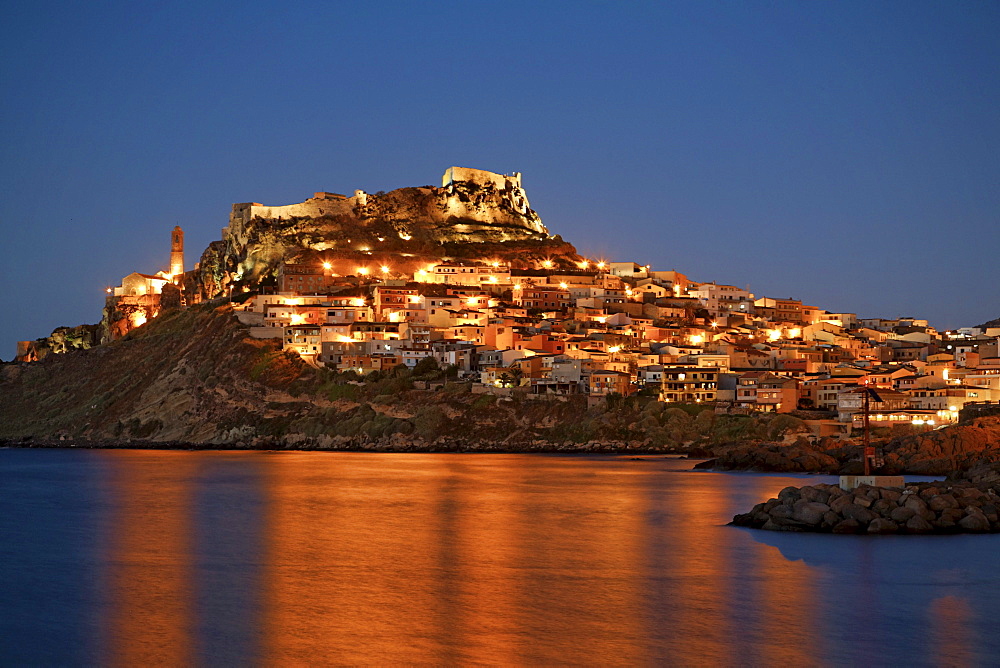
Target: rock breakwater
{"x": 923, "y": 508}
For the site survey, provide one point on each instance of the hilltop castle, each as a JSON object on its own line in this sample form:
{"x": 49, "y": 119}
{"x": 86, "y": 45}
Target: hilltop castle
{"x": 481, "y": 177}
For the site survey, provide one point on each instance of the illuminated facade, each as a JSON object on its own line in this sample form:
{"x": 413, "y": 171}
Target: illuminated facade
{"x": 177, "y": 251}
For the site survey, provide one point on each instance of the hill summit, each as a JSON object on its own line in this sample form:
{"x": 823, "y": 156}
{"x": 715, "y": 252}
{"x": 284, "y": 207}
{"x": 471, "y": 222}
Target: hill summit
{"x": 472, "y": 213}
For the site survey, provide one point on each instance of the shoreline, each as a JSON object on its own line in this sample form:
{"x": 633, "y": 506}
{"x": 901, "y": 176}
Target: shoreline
{"x": 432, "y": 448}
{"x": 700, "y": 459}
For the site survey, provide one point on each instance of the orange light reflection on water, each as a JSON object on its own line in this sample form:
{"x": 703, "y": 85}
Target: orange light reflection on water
{"x": 344, "y": 578}
{"x": 450, "y": 559}
{"x": 150, "y": 574}
{"x": 459, "y": 571}
{"x": 699, "y": 568}
{"x": 949, "y": 620}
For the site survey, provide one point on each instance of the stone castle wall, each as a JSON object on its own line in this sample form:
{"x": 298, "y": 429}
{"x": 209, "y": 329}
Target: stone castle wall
{"x": 481, "y": 176}
{"x": 322, "y": 204}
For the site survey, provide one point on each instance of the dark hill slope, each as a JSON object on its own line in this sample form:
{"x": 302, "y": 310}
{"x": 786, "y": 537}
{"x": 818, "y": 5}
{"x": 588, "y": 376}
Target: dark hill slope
{"x": 171, "y": 380}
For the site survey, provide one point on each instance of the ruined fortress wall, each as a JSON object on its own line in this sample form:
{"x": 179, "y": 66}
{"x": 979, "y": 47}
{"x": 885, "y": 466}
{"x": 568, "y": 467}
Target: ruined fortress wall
{"x": 311, "y": 208}
{"x": 314, "y": 207}
{"x": 480, "y": 176}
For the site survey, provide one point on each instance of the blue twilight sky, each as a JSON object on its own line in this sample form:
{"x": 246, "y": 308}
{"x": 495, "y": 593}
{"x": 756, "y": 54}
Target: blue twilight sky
{"x": 846, "y": 154}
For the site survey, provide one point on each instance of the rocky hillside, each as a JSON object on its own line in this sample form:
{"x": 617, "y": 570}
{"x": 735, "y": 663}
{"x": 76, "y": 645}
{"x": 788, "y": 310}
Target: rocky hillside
{"x": 171, "y": 380}
{"x": 414, "y": 223}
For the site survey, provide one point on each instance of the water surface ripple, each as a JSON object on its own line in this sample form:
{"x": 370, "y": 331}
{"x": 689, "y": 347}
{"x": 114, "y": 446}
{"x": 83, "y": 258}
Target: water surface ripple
{"x": 236, "y": 558}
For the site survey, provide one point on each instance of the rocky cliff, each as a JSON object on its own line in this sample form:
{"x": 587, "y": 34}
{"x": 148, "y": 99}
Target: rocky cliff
{"x": 491, "y": 216}
{"x": 61, "y": 340}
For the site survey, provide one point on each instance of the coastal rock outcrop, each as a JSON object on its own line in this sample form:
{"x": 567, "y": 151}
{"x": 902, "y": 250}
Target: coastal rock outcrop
{"x": 937, "y": 507}
{"x": 61, "y": 340}
{"x": 798, "y": 456}
{"x": 942, "y": 451}
{"x": 958, "y": 448}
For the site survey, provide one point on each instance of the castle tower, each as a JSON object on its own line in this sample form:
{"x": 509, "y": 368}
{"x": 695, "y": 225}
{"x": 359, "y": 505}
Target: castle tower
{"x": 177, "y": 251}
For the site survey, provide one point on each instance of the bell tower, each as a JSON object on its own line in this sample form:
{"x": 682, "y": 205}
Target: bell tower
{"x": 177, "y": 251}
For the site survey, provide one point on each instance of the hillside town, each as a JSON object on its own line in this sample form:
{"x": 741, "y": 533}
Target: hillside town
{"x": 346, "y": 284}
{"x": 607, "y": 328}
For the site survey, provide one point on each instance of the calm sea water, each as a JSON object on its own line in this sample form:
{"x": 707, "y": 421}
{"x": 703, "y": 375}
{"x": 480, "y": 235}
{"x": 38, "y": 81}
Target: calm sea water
{"x": 170, "y": 558}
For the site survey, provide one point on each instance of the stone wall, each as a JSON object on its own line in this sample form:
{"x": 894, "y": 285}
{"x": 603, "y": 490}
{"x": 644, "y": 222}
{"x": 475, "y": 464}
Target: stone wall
{"x": 481, "y": 177}
{"x": 314, "y": 207}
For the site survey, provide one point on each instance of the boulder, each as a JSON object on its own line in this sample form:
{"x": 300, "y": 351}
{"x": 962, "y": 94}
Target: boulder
{"x": 883, "y": 507}
{"x": 929, "y": 492}
{"x": 837, "y": 504}
{"x": 858, "y": 513}
{"x": 809, "y": 512}
{"x": 789, "y": 494}
{"x": 880, "y": 525}
{"x": 941, "y": 502}
{"x": 919, "y": 506}
{"x": 862, "y": 500}
{"x": 847, "y": 526}
{"x": 943, "y": 525}
{"x": 976, "y": 522}
{"x": 902, "y": 514}
{"x": 781, "y": 512}
{"x": 891, "y": 494}
{"x": 815, "y": 494}
{"x": 918, "y": 524}
{"x": 951, "y": 514}
{"x": 969, "y": 495}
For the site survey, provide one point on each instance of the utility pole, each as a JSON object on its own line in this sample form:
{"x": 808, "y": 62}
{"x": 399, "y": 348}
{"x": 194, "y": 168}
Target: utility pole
{"x": 866, "y": 438}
